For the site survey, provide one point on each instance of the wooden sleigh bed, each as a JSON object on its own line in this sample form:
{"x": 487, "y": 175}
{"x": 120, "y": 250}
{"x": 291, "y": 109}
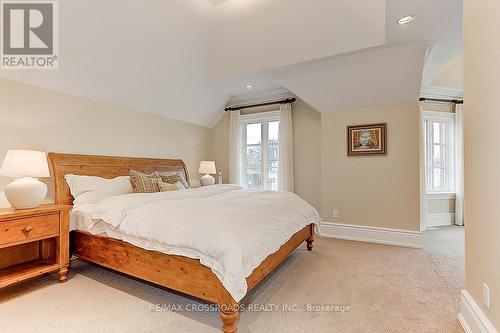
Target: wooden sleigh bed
{"x": 179, "y": 273}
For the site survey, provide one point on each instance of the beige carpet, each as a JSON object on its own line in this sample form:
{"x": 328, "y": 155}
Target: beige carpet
{"x": 389, "y": 289}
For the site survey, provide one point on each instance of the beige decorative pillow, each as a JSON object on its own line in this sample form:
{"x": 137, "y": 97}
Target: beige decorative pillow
{"x": 174, "y": 177}
{"x": 166, "y": 187}
{"x": 142, "y": 183}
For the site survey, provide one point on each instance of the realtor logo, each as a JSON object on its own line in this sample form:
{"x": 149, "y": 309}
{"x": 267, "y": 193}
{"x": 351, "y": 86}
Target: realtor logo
{"x": 29, "y": 34}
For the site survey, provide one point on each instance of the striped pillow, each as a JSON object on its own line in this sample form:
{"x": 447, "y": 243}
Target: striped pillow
{"x": 142, "y": 183}
{"x": 172, "y": 178}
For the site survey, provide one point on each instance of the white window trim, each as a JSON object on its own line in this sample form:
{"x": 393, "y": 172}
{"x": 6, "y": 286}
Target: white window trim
{"x": 253, "y": 118}
{"x": 449, "y": 117}
{"x": 440, "y": 195}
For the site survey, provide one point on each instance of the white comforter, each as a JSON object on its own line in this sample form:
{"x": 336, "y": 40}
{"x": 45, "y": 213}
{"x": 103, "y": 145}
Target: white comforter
{"x": 228, "y": 229}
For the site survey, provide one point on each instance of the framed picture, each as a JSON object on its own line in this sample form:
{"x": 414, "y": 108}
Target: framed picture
{"x": 364, "y": 140}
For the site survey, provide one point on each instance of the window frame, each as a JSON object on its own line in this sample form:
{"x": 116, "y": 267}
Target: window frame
{"x": 429, "y": 118}
{"x": 263, "y": 118}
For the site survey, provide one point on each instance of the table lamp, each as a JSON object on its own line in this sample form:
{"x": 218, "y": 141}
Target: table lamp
{"x": 26, "y": 191}
{"x": 207, "y": 167}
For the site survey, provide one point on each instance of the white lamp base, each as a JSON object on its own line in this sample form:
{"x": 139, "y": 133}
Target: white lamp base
{"x": 25, "y": 193}
{"x": 207, "y": 180}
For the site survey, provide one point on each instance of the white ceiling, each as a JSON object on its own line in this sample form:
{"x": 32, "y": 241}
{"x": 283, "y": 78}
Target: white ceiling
{"x": 184, "y": 59}
{"x": 376, "y": 77}
{"x": 437, "y": 22}
{"x": 149, "y": 60}
{"x": 452, "y": 75}
{"x": 251, "y": 36}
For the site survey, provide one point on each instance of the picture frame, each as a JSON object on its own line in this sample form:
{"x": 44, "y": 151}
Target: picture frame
{"x": 367, "y": 140}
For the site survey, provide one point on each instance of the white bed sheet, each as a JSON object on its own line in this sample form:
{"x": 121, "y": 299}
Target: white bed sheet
{"x": 80, "y": 219}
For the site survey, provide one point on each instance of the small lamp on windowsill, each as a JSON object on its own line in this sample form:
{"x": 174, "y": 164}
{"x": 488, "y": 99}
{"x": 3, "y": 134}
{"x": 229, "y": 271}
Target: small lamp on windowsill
{"x": 208, "y": 168}
{"x": 26, "y": 165}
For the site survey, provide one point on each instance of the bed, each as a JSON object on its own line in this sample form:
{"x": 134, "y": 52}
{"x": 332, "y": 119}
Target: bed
{"x": 177, "y": 272}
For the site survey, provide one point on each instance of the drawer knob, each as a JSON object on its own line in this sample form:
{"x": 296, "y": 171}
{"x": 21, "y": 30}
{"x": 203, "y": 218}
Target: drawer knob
{"x": 28, "y": 229}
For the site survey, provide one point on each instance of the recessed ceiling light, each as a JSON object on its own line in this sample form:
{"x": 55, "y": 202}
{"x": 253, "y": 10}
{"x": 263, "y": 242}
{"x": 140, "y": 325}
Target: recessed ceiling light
{"x": 406, "y": 19}
{"x": 249, "y": 86}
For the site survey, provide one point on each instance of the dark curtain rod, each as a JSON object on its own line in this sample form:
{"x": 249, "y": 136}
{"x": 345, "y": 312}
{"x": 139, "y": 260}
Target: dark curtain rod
{"x": 283, "y": 101}
{"x": 456, "y": 101}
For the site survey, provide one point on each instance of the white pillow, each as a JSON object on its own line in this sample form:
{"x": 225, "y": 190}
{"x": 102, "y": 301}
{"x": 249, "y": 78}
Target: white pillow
{"x": 166, "y": 187}
{"x": 181, "y": 175}
{"x": 92, "y": 189}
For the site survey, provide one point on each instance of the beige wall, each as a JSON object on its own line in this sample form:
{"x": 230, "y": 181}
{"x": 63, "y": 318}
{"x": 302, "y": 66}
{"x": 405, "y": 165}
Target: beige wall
{"x": 385, "y": 187}
{"x": 482, "y": 160}
{"x": 40, "y": 119}
{"x": 220, "y": 145}
{"x": 378, "y": 191}
{"x": 307, "y": 151}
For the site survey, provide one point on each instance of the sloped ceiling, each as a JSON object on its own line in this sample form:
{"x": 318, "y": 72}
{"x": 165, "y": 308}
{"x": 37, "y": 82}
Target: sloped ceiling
{"x": 452, "y": 75}
{"x": 376, "y": 77}
{"x": 117, "y": 52}
{"x": 184, "y": 59}
{"x": 420, "y": 54}
{"x": 439, "y": 23}
{"x": 252, "y": 36}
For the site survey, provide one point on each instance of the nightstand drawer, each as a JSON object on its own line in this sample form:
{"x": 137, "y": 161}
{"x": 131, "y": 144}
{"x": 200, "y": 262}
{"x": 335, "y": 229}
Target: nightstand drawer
{"x": 29, "y": 228}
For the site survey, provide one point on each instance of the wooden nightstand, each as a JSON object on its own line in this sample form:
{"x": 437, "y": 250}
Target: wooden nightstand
{"x": 34, "y": 242}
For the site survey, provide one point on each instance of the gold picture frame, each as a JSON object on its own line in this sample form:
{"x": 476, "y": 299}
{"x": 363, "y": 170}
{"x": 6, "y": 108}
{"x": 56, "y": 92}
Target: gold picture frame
{"x": 366, "y": 140}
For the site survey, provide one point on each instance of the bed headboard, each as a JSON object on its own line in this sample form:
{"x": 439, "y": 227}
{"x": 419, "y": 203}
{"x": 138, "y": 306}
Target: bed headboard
{"x": 103, "y": 166}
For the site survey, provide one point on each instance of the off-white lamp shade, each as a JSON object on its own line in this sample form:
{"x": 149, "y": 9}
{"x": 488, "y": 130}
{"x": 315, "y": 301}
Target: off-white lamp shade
{"x": 25, "y": 192}
{"x": 207, "y": 167}
{"x": 22, "y": 163}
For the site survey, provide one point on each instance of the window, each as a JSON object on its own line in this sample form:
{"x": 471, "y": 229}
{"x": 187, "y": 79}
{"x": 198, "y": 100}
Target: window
{"x": 439, "y": 151}
{"x": 260, "y": 137}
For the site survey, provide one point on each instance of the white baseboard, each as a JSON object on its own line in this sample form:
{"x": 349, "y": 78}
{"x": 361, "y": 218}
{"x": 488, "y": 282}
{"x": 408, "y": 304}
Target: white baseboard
{"x": 438, "y": 220}
{"x": 471, "y": 316}
{"x": 360, "y": 233}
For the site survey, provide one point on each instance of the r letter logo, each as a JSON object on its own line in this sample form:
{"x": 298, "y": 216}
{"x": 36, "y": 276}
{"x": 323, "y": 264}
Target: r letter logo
{"x": 29, "y": 34}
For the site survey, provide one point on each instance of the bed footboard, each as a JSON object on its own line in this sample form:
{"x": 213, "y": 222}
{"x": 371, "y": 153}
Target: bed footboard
{"x": 182, "y": 274}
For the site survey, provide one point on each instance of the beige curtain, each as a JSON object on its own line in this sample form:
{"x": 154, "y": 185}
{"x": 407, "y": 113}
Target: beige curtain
{"x": 235, "y": 148}
{"x": 459, "y": 167}
{"x": 423, "y": 199}
{"x": 285, "y": 150}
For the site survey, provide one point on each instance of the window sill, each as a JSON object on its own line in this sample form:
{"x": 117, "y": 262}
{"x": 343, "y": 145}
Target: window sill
{"x": 440, "y": 195}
